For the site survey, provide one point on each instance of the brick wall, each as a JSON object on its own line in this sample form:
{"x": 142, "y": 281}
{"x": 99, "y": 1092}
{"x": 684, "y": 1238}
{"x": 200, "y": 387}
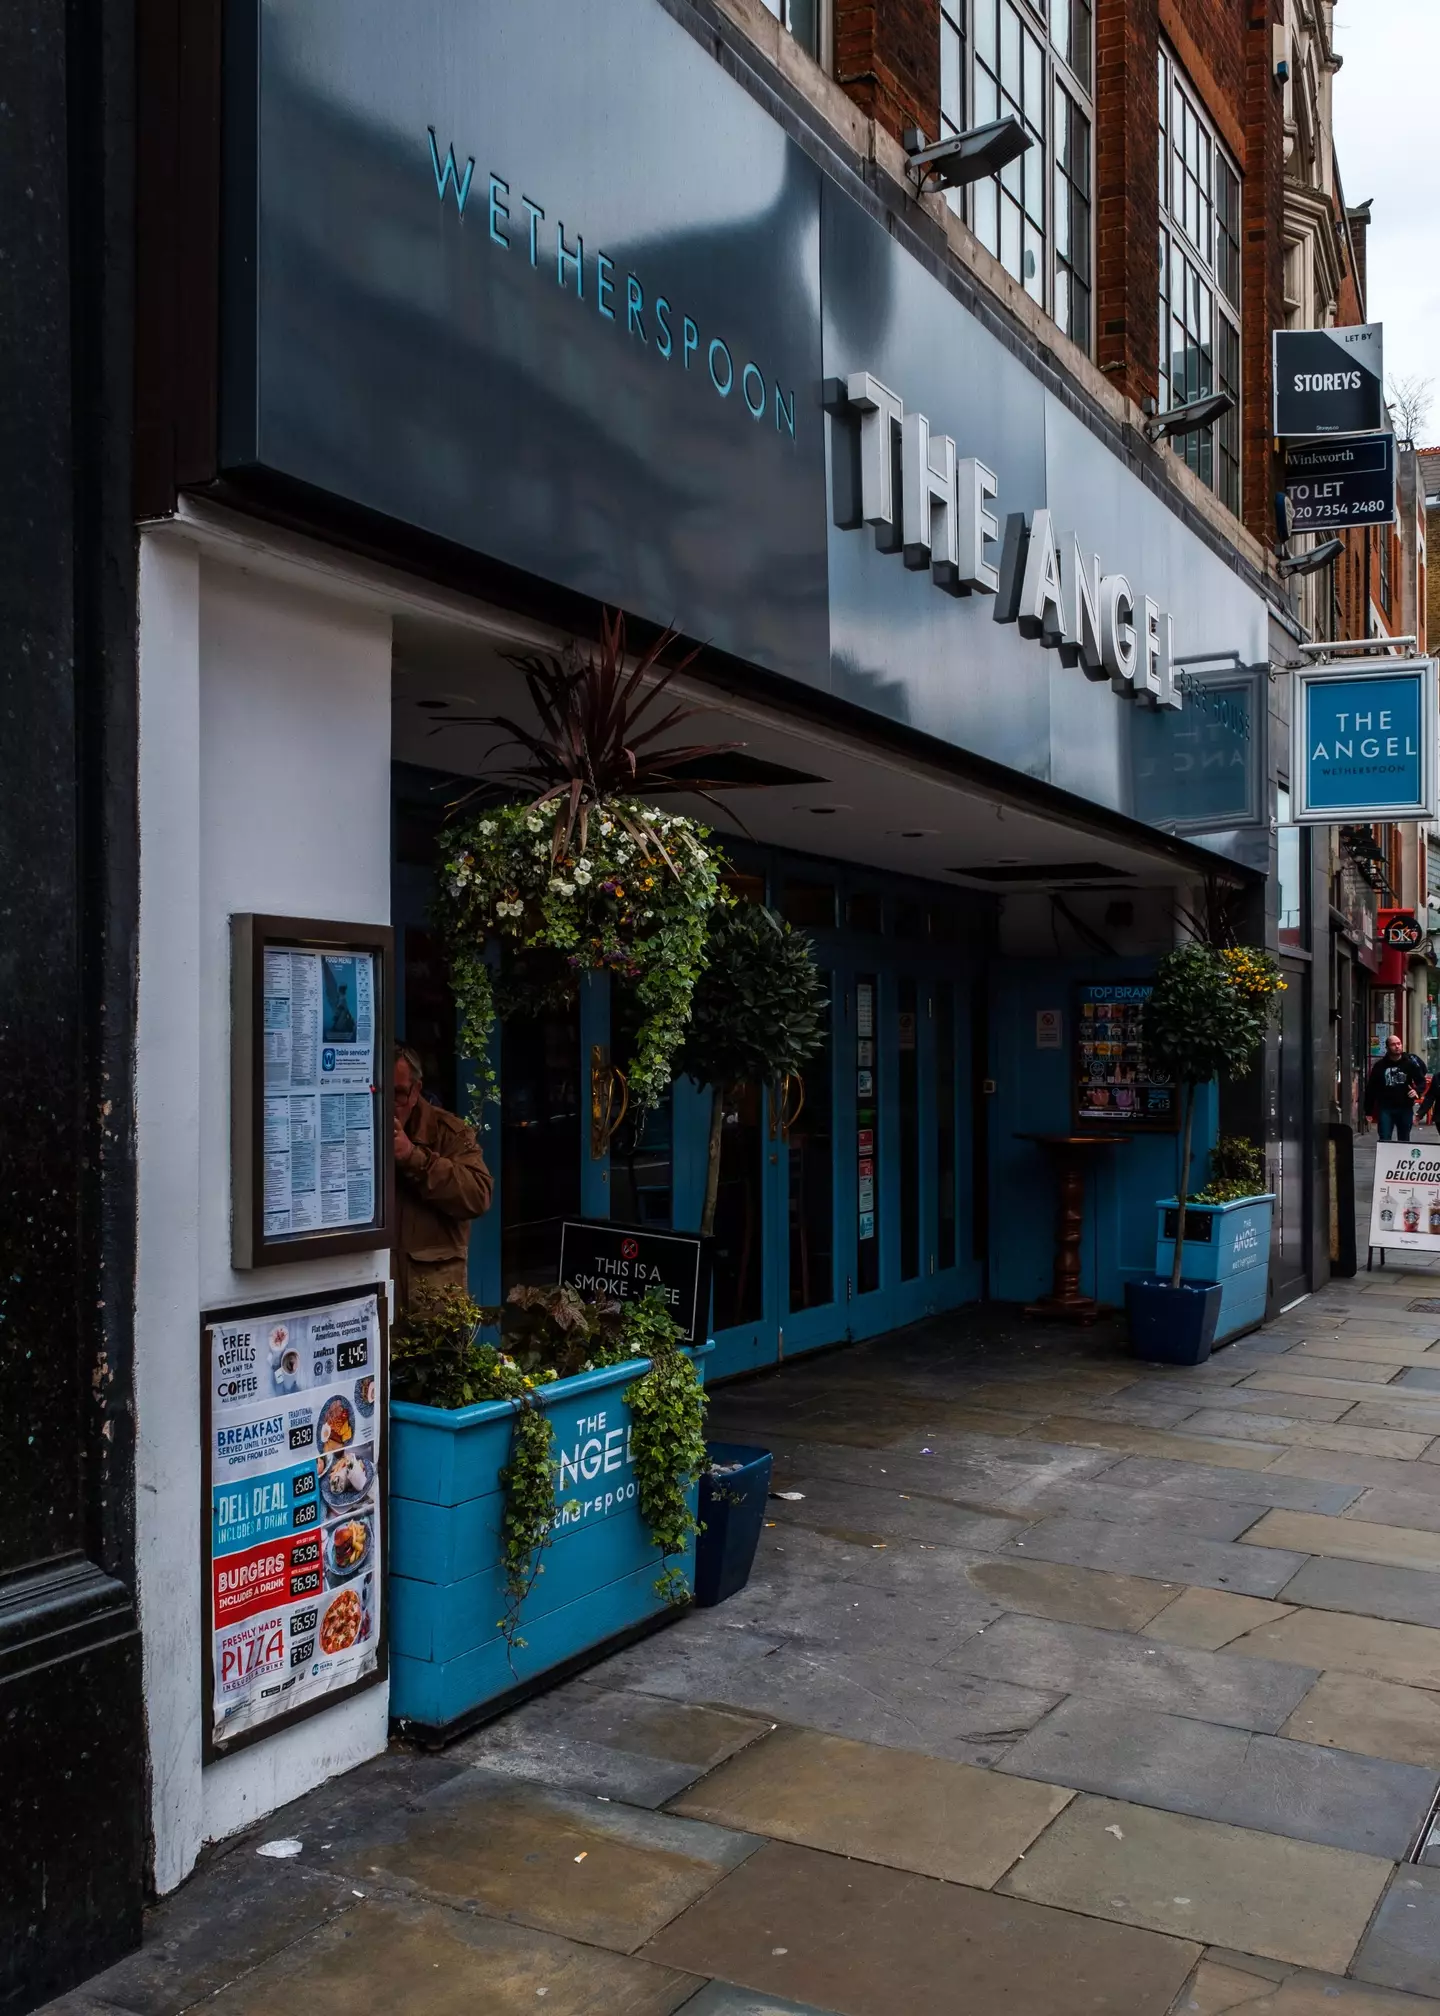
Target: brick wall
{"x": 887, "y": 56}
{"x": 1127, "y": 204}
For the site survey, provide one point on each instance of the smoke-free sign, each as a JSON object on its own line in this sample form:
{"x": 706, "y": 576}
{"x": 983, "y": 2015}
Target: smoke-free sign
{"x": 625, "y": 1262}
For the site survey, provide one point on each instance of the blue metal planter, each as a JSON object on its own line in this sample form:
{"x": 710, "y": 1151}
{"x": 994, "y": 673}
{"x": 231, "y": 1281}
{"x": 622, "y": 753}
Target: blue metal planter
{"x": 1228, "y": 1243}
{"x": 449, "y": 1663}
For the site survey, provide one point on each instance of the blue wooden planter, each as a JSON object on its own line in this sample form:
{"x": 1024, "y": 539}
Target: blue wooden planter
{"x": 448, "y": 1660}
{"x": 1228, "y": 1243}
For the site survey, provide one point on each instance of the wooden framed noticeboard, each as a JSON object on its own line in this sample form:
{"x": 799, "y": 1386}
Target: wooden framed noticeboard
{"x": 312, "y": 1160}
{"x": 293, "y": 1491}
{"x": 1113, "y": 1090}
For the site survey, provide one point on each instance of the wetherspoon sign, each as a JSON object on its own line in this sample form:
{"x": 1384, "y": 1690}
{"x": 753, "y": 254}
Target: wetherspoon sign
{"x": 1363, "y": 743}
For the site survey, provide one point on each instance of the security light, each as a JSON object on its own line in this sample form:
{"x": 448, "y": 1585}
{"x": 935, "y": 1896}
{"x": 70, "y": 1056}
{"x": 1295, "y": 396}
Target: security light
{"x": 1185, "y": 419}
{"x": 966, "y": 157}
{"x": 1311, "y": 563}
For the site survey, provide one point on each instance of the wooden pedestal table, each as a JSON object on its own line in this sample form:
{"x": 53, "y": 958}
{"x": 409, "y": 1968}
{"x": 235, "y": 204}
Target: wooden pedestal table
{"x": 1072, "y": 1155}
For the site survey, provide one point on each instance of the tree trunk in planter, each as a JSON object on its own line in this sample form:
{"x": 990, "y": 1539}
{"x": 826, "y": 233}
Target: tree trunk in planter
{"x": 1184, "y": 1190}
{"x": 712, "y": 1165}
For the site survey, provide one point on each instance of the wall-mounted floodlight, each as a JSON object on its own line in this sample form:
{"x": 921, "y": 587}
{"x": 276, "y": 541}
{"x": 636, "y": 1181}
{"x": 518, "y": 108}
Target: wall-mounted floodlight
{"x": 1185, "y": 419}
{"x": 1311, "y": 563}
{"x": 965, "y": 157}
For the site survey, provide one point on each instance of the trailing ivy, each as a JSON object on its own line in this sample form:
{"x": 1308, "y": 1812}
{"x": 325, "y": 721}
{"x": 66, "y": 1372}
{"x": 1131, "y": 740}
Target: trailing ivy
{"x": 667, "y": 1403}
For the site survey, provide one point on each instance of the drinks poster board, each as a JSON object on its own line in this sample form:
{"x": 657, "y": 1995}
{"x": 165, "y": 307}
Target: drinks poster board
{"x": 1405, "y": 1207}
{"x": 1112, "y": 1087}
{"x": 294, "y": 1398}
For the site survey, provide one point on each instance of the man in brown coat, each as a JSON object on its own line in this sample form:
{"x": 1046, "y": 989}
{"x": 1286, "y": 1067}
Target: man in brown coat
{"x": 441, "y": 1184}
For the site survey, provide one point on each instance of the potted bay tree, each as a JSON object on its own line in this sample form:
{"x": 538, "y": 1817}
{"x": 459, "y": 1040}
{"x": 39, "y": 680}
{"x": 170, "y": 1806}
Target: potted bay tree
{"x": 1205, "y": 1019}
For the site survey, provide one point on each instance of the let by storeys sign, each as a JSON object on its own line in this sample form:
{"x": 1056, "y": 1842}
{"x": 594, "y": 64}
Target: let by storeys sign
{"x": 627, "y": 1262}
{"x": 1363, "y": 743}
{"x": 1329, "y": 381}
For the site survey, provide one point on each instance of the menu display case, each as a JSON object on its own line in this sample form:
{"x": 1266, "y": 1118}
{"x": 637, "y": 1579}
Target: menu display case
{"x": 1113, "y": 1089}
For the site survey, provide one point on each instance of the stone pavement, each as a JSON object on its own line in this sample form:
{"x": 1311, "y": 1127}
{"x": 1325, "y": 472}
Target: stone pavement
{"x": 1068, "y": 1685}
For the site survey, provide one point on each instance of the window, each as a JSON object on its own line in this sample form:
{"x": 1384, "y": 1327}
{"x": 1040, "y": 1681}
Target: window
{"x": 802, "y": 18}
{"x": 1022, "y": 59}
{"x": 1199, "y": 270}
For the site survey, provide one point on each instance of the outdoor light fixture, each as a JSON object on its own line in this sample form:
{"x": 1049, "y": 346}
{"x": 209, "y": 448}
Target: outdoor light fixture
{"x": 965, "y": 157}
{"x": 1311, "y": 563}
{"x": 1185, "y": 419}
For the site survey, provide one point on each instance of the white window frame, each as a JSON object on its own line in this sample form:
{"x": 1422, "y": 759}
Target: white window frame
{"x": 1190, "y": 242}
{"x": 975, "y": 203}
{"x": 783, "y": 10}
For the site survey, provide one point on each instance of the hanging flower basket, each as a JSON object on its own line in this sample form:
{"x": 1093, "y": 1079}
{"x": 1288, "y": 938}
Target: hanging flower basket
{"x": 530, "y": 902}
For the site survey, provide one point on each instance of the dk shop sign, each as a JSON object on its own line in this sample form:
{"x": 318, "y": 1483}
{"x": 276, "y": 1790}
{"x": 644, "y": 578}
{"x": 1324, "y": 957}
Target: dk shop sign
{"x": 1329, "y": 381}
{"x": 1342, "y": 483}
{"x": 1401, "y": 930}
{"x": 624, "y": 1262}
{"x": 1363, "y": 743}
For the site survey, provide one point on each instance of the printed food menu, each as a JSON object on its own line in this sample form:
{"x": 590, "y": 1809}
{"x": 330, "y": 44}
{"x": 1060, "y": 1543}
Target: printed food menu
{"x": 1113, "y": 1088}
{"x": 294, "y": 1558}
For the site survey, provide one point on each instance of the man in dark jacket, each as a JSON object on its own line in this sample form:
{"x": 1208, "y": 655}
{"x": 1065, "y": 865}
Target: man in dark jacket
{"x": 441, "y": 1184}
{"x": 1394, "y": 1084}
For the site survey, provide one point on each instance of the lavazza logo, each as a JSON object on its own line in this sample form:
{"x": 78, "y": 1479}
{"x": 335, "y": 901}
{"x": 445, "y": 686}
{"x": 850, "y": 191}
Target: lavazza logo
{"x": 941, "y": 510}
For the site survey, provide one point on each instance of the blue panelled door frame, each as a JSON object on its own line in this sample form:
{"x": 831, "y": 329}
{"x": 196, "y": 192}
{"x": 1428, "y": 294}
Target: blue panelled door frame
{"x": 844, "y": 954}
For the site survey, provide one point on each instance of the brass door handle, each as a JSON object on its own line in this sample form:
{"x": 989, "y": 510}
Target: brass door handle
{"x": 605, "y": 1121}
{"x": 782, "y": 1115}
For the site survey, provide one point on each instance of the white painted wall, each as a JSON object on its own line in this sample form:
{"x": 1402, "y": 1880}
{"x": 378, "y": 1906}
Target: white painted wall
{"x": 264, "y": 785}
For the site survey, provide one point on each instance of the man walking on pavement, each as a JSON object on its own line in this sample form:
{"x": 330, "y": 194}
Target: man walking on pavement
{"x": 1396, "y": 1081}
{"x": 441, "y": 1184}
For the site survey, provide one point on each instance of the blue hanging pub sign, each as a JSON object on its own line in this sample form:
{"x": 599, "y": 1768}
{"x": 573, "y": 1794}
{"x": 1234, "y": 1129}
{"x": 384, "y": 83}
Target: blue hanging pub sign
{"x": 1363, "y": 742}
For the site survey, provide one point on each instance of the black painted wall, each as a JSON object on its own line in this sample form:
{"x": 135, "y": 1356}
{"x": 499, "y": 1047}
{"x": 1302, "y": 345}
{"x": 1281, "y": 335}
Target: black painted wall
{"x": 72, "y": 1791}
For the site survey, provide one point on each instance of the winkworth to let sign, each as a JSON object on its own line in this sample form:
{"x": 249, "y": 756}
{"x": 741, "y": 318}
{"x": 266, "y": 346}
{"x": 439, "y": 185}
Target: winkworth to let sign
{"x": 1363, "y": 743}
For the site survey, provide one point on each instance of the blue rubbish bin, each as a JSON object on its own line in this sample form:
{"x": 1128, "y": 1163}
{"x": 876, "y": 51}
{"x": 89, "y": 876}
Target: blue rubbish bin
{"x": 731, "y": 1512}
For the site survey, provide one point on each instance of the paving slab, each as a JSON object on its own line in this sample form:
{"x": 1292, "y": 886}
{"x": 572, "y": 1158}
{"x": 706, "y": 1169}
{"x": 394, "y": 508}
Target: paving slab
{"x": 1385, "y": 1507}
{"x": 721, "y": 1999}
{"x": 1424, "y": 1379}
{"x": 1344, "y": 1467}
{"x": 878, "y": 1805}
{"x": 1291, "y": 1401}
{"x": 1196, "y": 1447}
{"x": 1347, "y": 1539}
{"x": 609, "y": 1743}
{"x": 1329, "y": 1378}
{"x": 408, "y": 1959}
{"x": 1072, "y": 1659}
{"x": 867, "y": 1941}
{"x": 1402, "y": 1947}
{"x": 1206, "y": 1619}
{"x": 1273, "y": 1486}
{"x": 1163, "y": 1553}
{"x": 1301, "y": 1790}
{"x": 1350, "y": 1711}
{"x": 1072, "y": 1595}
{"x": 1289, "y": 1900}
{"x": 228, "y": 1918}
{"x": 1352, "y": 1348}
{"x": 1300, "y": 1994}
{"x": 1275, "y": 1428}
{"x": 607, "y": 1874}
{"x": 1407, "y": 1653}
{"x": 882, "y": 1510}
{"x": 1144, "y": 1511}
{"x": 1403, "y": 1595}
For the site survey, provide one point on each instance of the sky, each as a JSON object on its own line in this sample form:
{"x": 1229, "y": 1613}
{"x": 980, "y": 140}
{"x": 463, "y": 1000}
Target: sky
{"x": 1385, "y": 144}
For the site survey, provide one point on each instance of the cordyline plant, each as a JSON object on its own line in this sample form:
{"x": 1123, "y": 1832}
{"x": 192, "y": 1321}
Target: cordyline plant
{"x": 1206, "y": 1016}
{"x": 755, "y": 1017}
{"x": 614, "y": 885}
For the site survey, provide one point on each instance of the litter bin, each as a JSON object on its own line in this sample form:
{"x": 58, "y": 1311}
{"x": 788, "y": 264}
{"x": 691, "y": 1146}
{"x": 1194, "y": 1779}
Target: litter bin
{"x": 733, "y": 1491}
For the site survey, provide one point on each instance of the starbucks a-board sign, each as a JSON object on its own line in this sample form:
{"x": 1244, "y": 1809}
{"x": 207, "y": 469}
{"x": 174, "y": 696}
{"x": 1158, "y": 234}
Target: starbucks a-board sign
{"x": 599, "y": 1257}
{"x": 1405, "y": 1210}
